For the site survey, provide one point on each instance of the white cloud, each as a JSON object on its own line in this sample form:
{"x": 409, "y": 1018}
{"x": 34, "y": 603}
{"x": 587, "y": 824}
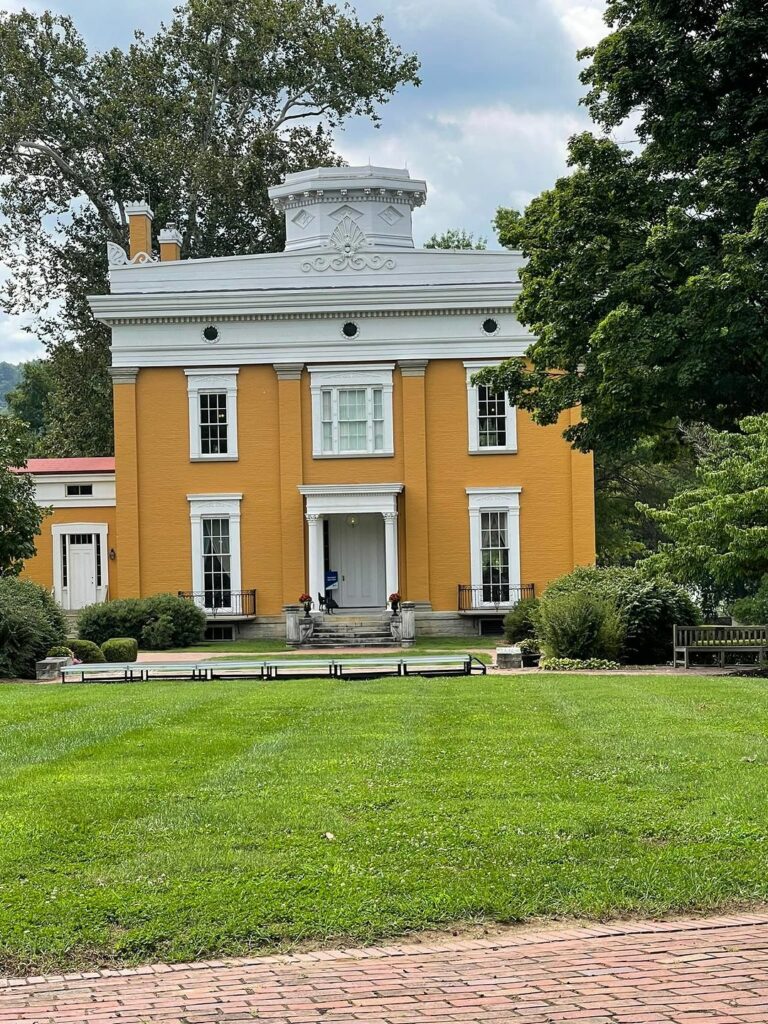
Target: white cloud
{"x": 16, "y": 345}
{"x": 474, "y": 160}
{"x": 581, "y": 20}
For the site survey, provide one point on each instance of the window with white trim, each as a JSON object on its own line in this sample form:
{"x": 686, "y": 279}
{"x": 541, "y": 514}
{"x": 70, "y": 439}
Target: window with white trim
{"x": 215, "y": 522}
{"x": 217, "y": 562}
{"x": 212, "y": 414}
{"x": 492, "y": 420}
{"x": 352, "y": 411}
{"x": 494, "y": 540}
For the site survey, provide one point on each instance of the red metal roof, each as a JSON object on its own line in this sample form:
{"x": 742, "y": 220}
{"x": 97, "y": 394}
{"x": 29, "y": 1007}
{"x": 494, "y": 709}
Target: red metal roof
{"x": 41, "y": 466}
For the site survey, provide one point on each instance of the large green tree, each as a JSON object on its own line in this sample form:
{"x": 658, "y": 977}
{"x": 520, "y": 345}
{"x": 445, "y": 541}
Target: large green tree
{"x": 20, "y": 516}
{"x": 716, "y": 532}
{"x": 30, "y": 399}
{"x": 199, "y": 118}
{"x": 647, "y": 276}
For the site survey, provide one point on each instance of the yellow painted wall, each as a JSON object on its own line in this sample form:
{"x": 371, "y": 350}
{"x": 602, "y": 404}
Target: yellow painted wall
{"x": 40, "y": 568}
{"x": 557, "y": 500}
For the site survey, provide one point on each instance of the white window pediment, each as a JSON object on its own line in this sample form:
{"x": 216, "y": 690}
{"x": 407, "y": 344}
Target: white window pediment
{"x": 352, "y": 410}
{"x": 492, "y": 419}
{"x": 212, "y": 414}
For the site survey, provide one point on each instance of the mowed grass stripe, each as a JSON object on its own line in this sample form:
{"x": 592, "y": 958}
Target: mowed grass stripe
{"x": 209, "y": 819}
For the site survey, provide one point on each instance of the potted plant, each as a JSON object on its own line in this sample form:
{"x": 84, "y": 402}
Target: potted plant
{"x": 394, "y": 601}
{"x": 306, "y": 600}
{"x": 530, "y": 651}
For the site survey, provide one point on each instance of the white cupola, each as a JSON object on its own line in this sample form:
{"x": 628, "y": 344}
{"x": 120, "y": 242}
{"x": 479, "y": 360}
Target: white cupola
{"x": 357, "y": 207}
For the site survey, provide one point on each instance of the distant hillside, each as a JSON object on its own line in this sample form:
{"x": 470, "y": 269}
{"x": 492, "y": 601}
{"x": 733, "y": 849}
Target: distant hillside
{"x": 9, "y": 378}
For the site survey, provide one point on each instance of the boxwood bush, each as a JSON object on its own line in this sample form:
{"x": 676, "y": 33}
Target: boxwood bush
{"x": 30, "y": 624}
{"x": 86, "y": 651}
{"x": 650, "y": 606}
{"x": 120, "y": 648}
{"x": 580, "y": 626}
{"x": 520, "y": 621}
{"x": 60, "y": 651}
{"x": 183, "y": 623}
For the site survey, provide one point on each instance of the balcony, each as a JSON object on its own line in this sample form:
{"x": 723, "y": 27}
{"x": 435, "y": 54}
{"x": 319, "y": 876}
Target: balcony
{"x": 492, "y": 598}
{"x": 231, "y": 605}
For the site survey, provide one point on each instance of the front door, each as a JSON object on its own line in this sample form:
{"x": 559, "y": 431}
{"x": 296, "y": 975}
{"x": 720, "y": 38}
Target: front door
{"x": 356, "y": 552}
{"x": 81, "y": 552}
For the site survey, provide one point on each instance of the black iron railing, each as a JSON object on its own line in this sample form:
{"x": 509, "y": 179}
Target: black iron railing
{"x": 241, "y": 603}
{"x": 493, "y": 596}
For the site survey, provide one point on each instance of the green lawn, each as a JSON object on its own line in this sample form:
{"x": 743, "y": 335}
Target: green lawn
{"x": 423, "y": 643}
{"x": 179, "y": 821}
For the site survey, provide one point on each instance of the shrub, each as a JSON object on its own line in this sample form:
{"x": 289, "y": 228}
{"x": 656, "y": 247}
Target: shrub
{"x": 650, "y": 606}
{"x": 158, "y": 635}
{"x": 576, "y": 664}
{"x": 86, "y": 651}
{"x": 520, "y": 621}
{"x": 580, "y": 626}
{"x": 120, "y": 648}
{"x": 530, "y": 646}
{"x": 183, "y": 622}
{"x": 60, "y": 651}
{"x": 753, "y": 611}
{"x": 31, "y": 623}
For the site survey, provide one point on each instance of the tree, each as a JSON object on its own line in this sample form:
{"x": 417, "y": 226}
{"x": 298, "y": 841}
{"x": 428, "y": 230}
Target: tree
{"x": 717, "y": 531}
{"x": 9, "y": 376}
{"x": 200, "y": 118}
{"x": 29, "y": 400}
{"x": 20, "y": 516}
{"x": 456, "y": 238}
{"x": 646, "y": 283}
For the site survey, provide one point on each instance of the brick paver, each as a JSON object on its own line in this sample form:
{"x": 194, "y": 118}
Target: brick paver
{"x": 707, "y": 971}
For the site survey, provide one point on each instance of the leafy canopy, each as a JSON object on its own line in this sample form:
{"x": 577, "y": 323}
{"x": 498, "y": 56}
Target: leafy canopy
{"x": 647, "y": 276}
{"x": 717, "y": 532}
{"x": 456, "y": 238}
{"x": 20, "y": 516}
{"x": 199, "y": 118}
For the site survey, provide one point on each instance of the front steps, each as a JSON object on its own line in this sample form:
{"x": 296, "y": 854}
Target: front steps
{"x": 355, "y": 630}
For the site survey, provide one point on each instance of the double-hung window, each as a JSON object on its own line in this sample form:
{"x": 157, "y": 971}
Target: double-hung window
{"x": 215, "y": 521}
{"x": 492, "y": 420}
{"x": 352, "y": 411}
{"x": 217, "y": 563}
{"x": 494, "y": 538}
{"x": 212, "y": 414}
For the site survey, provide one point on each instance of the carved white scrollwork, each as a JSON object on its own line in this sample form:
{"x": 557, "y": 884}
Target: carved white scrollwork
{"x": 350, "y": 243}
{"x": 118, "y": 257}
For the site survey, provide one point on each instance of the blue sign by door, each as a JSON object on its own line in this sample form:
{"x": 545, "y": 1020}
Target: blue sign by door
{"x": 331, "y": 580}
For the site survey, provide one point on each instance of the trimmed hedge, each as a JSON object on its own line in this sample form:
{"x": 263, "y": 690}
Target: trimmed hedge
{"x": 120, "y": 648}
{"x": 87, "y": 652}
{"x": 60, "y": 651}
{"x": 159, "y": 622}
{"x": 520, "y": 621}
{"x": 580, "y": 626}
{"x": 30, "y": 624}
{"x": 650, "y": 606}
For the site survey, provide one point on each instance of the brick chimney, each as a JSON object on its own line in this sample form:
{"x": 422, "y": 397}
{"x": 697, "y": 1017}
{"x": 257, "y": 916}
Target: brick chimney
{"x": 140, "y": 219}
{"x": 170, "y": 242}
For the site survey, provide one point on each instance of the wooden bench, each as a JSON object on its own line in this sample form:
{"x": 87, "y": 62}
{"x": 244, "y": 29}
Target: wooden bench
{"x": 244, "y": 668}
{"x": 720, "y": 640}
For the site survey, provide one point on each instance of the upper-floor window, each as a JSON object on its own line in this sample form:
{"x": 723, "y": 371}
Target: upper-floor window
{"x": 79, "y": 490}
{"x": 352, "y": 411}
{"x": 492, "y": 420}
{"x": 212, "y": 414}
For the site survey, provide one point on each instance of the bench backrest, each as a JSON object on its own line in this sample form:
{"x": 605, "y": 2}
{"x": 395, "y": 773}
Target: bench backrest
{"x": 690, "y": 636}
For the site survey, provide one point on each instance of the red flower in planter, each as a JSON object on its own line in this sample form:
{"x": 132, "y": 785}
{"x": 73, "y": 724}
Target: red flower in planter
{"x": 303, "y": 598}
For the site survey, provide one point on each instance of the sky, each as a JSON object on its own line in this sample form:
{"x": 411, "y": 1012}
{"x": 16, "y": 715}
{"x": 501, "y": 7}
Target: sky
{"x": 488, "y": 127}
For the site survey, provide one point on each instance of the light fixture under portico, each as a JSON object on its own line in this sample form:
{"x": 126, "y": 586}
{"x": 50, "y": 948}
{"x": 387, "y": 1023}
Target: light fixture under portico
{"x": 351, "y": 501}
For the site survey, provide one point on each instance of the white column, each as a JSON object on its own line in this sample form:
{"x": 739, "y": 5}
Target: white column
{"x": 390, "y": 552}
{"x": 316, "y": 559}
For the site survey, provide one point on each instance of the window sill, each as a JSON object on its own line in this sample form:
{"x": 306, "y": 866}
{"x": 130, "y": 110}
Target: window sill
{"x": 213, "y": 458}
{"x": 493, "y": 451}
{"x": 353, "y": 455}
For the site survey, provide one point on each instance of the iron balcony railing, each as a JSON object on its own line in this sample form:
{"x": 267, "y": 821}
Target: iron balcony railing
{"x": 493, "y": 596}
{"x": 227, "y": 603}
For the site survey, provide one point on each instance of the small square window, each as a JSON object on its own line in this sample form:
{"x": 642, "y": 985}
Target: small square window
{"x": 79, "y": 490}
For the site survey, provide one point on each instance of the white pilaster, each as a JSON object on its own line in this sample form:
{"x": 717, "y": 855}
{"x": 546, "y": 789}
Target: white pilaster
{"x": 390, "y": 552}
{"x": 316, "y": 558}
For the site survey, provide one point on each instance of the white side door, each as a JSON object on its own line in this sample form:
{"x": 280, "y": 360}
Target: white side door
{"x": 82, "y": 570}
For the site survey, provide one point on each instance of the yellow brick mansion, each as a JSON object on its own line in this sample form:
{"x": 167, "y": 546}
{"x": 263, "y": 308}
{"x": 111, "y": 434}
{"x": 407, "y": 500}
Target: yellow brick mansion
{"x": 306, "y": 421}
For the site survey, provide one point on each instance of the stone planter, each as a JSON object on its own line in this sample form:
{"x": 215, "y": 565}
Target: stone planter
{"x": 49, "y": 669}
{"x": 508, "y": 657}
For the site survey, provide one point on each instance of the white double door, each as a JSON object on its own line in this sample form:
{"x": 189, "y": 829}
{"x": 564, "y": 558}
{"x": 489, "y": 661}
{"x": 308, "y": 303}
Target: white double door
{"x": 356, "y": 553}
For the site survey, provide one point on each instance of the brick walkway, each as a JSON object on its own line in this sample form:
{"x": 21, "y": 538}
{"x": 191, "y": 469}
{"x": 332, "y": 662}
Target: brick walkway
{"x": 686, "y": 972}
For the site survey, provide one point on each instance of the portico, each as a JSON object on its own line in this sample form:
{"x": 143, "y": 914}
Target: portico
{"x": 360, "y": 536}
